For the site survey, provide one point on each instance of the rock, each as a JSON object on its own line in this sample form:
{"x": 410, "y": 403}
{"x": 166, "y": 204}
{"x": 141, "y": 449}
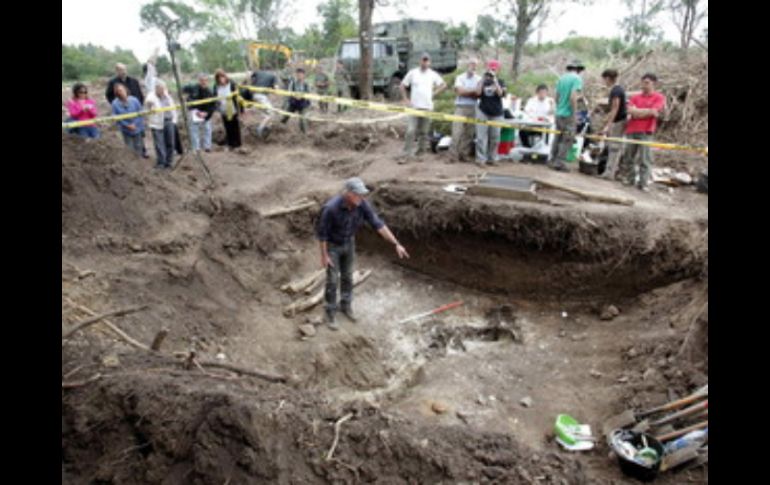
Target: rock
{"x": 609, "y": 312}
{"x": 135, "y": 247}
{"x": 632, "y": 352}
{"x": 595, "y": 373}
{"x": 623, "y": 379}
{"x": 439, "y": 408}
{"x": 526, "y": 402}
{"x": 221, "y": 356}
{"x": 307, "y": 330}
{"x": 463, "y": 416}
{"x": 649, "y": 374}
{"x": 110, "y": 360}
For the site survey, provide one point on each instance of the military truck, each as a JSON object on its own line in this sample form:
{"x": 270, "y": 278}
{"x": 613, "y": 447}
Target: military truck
{"x": 397, "y": 47}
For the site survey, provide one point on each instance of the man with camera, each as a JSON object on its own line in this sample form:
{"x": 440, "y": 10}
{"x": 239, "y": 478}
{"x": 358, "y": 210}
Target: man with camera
{"x": 490, "y": 92}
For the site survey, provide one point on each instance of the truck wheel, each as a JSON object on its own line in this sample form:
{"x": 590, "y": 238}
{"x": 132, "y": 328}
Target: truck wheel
{"x": 393, "y": 92}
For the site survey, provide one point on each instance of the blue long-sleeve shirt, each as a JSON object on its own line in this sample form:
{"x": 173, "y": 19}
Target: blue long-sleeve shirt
{"x": 132, "y": 105}
{"x": 339, "y": 223}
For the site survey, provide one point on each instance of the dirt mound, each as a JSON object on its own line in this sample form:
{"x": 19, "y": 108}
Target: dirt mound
{"x": 106, "y": 187}
{"x": 167, "y": 427}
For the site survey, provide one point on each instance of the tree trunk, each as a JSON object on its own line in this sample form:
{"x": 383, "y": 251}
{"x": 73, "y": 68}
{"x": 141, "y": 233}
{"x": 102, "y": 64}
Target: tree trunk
{"x": 520, "y": 38}
{"x": 365, "y": 9}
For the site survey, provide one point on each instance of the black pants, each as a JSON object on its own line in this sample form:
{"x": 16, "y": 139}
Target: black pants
{"x": 232, "y": 131}
{"x": 178, "y": 141}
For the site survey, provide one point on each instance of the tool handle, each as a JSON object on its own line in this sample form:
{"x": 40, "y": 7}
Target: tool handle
{"x": 682, "y": 432}
{"x": 683, "y": 413}
{"x": 700, "y": 393}
{"x": 446, "y": 307}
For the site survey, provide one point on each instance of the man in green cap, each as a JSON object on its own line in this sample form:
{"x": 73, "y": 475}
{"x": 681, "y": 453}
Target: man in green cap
{"x": 569, "y": 88}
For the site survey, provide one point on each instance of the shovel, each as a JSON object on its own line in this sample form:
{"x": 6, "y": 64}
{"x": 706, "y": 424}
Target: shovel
{"x": 629, "y": 416}
{"x": 684, "y": 413}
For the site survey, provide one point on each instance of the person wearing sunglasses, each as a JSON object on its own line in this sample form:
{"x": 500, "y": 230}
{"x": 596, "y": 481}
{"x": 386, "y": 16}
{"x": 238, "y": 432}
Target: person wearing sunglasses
{"x": 82, "y": 108}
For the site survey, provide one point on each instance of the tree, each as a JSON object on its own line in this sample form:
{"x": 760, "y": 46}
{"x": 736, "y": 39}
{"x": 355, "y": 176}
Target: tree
{"x": 639, "y": 26}
{"x": 189, "y": 21}
{"x": 338, "y": 23}
{"x": 687, "y": 15}
{"x": 87, "y": 61}
{"x": 247, "y": 20}
{"x": 460, "y": 34}
{"x": 365, "y": 39}
{"x": 489, "y": 31}
{"x": 215, "y": 51}
{"x": 527, "y": 16}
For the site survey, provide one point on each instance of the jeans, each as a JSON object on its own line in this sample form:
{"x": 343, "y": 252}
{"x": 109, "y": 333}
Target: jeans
{"x": 563, "y": 141}
{"x": 419, "y": 128}
{"x": 342, "y": 257}
{"x": 462, "y": 133}
{"x": 84, "y": 131}
{"x": 487, "y": 138}
{"x": 164, "y": 144}
{"x": 615, "y": 149}
{"x": 195, "y": 134}
{"x": 636, "y": 156}
{"x": 293, "y": 108}
{"x": 134, "y": 142}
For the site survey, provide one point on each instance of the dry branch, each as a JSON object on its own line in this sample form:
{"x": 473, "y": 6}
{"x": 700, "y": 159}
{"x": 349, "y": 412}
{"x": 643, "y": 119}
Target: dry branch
{"x": 114, "y": 313}
{"x": 337, "y": 426}
{"x": 309, "y": 302}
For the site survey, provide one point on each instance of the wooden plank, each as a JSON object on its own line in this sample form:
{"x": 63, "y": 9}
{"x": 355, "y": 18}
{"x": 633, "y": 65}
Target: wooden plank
{"x": 288, "y": 210}
{"x": 593, "y": 197}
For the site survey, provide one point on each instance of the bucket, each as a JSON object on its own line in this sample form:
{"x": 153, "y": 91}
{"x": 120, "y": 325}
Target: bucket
{"x": 647, "y": 465}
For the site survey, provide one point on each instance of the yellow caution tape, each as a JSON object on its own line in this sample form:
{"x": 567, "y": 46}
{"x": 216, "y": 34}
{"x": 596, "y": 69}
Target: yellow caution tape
{"x": 128, "y": 116}
{"x": 362, "y": 104}
{"x": 390, "y": 108}
{"x": 255, "y": 104}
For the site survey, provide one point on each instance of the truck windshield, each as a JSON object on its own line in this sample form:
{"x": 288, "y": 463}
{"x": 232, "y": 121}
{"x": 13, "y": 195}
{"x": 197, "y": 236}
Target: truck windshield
{"x": 351, "y": 50}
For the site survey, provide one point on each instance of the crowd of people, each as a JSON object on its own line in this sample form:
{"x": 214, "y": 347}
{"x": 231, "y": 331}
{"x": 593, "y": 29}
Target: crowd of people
{"x": 483, "y": 96}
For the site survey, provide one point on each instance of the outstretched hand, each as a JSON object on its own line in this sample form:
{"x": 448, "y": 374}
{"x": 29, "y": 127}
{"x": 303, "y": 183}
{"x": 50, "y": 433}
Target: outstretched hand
{"x": 401, "y": 251}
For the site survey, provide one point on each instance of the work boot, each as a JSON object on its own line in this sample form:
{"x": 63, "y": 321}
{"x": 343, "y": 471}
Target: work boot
{"x": 331, "y": 321}
{"x": 348, "y": 312}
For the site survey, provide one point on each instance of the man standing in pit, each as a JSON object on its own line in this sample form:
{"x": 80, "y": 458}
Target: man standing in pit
{"x": 341, "y": 217}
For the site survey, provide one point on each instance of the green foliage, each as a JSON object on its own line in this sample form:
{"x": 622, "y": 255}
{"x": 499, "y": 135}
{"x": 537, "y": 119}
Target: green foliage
{"x": 163, "y": 65}
{"x": 87, "y": 61}
{"x": 639, "y": 26}
{"x": 215, "y": 51}
{"x": 338, "y": 23}
{"x": 189, "y": 20}
{"x": 461, "y": 35}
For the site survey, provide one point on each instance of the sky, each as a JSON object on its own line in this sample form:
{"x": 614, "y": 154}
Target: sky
{"x": 96, "y": 22}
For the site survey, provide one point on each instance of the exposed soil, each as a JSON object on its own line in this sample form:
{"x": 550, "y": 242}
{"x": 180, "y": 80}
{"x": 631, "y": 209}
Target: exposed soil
{"x": 435, "y": 400}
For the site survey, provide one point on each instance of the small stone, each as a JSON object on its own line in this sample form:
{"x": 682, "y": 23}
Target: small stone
{"x": 632, "y": 352}
{"x": 221, "y": 356}
{"x": 609, "y": 312}
{"x": 424, "y": 443}
{"x": 649, "y": 374}
{"x": 110, "y": 360}
{"x": 307, "y": 330}
{"x": 623, "y": 379}
{"x": 595, "y": 373}
{"x": 439, "y": 408}
{"x": 481, "y": 400}
{"x": 564, "y": 314}
{"x": 563, "y": 333}
{"x": 526, "y": 402}
{"x": 136, "y": 247}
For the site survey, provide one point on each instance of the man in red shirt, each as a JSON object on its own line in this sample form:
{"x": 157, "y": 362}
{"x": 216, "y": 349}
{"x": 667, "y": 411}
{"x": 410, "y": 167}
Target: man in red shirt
{"x": 643, "y": 111}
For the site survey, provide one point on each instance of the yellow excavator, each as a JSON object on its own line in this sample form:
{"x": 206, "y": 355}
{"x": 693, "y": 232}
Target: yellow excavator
{"x": 295, "y": 57}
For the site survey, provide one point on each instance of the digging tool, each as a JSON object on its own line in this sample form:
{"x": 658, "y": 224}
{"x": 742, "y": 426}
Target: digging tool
{"x": 678, "y": 457}
{"x": 645, "y": 424}
{"x": 681, "y": 432}
{"x": 630, "y": 417}
{"x": 440, "y": 309}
